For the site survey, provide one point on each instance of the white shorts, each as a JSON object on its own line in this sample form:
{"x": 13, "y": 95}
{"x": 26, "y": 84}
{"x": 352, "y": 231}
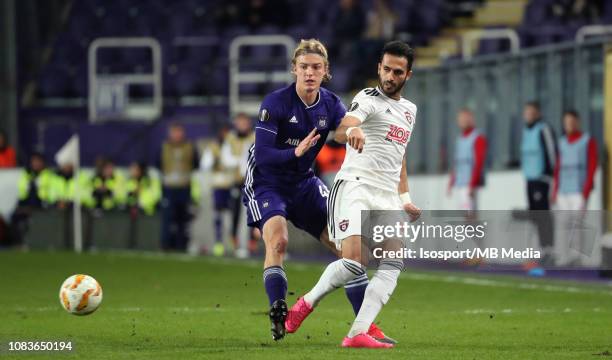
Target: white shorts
{"x": 346, "y": 201}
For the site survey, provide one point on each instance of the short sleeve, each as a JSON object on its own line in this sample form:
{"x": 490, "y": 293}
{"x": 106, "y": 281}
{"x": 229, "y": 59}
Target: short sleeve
{"x": 338, "y": 113}
{"x": 362, "y": 106}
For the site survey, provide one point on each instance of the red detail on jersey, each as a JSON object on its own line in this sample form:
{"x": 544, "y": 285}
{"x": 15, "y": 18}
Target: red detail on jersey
{"x": 343, "y": 225}
{"x": 398, "y": 134}
{"x": 409, "y": 118}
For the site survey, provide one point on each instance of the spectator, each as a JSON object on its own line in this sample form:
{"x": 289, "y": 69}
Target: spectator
{"x": 381, "y": 21}
{"x": 34, "y": 193}
{"x": 380, "y": 28}
{"x": 35, "y": 183}
{"x": 348, "y": 27}
{"x": 576, "y": 11}
{"x": 64, "y": 188}
{"x": 177, "y": 162}
{"x": 108, "y": 187}
{"x": 470, "y": 154}
{"x": 143, "y": 191}
{"x": 7, "y": 153}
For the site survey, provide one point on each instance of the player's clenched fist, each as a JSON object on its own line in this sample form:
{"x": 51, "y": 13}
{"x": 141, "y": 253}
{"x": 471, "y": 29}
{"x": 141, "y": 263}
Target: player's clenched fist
{"x": 355, "y": 138}
{"x": 308, "y": 142}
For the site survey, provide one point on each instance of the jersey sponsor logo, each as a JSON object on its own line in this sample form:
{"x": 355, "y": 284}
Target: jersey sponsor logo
{"x": 398, "y": 135}
{"x": 409, "y": 118}
{"x": 354, "y": 106}
{"x": 264, "y": 115}
{"x": 322, "y": 121}
{"x": 293, "y": 142}
{"x": 293, "y": 120}
{"x": 388, "y": 111}
{"x": 343, "y": 225}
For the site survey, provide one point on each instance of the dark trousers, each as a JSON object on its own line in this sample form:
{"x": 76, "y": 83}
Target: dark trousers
{"x": 537, "y": 194}
{"x": 175, "y": 218}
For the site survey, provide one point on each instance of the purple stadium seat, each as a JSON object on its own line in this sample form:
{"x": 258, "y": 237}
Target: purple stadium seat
{"x": 136, "y": 56}
{"x": 188, "y": 82}
{"x": 54, "y": 82}
{"x": 181, "y": 23}
{"x": 269, "y": 30}
{"x": 217, "y": 82}
{"x": 607, "y": 13}
{"x": 341, "y": 79}
{"x": 228, "y": 36}
{"x": 492, "y": 46}
{"x": 80, "y": 83}
{"x": 250, "y": 89}
{"x": 299, "y": 32}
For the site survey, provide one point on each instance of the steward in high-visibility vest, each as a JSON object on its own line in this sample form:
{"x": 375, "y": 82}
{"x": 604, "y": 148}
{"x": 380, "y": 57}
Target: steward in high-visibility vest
{"x": 64, "y": 189}
{"x": 108, "y": 188}
{"x": 35, "y": 183}
{"x": 143, "y": 191}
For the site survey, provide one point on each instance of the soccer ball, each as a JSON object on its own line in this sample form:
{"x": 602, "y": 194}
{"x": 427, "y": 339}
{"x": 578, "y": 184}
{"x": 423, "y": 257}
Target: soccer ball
{"x": 80, "y": 294}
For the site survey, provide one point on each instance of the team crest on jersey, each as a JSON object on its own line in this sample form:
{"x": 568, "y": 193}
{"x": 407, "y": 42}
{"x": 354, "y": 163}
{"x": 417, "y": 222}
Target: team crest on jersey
{"x": 264, "y": 115}
{"x": 409, "y": 117}
{"x": 398, "y": 134}
{"x": 265, "y": 204}
{"x": 343, "y": 225}
{"x": 322, "y": 121}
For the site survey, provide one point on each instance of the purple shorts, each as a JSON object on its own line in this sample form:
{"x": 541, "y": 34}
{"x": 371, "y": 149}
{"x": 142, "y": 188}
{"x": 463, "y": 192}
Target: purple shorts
{"x": 304, "y": 204}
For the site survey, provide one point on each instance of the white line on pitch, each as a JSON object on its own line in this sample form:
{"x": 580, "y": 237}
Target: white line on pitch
{"x": 497, "y": 283}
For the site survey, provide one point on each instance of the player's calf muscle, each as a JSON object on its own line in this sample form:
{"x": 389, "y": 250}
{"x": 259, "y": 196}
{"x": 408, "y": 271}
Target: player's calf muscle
{"x": 276, "y": 239}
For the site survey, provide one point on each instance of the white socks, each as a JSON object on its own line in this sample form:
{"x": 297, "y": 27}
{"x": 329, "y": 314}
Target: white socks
{"x": 336, "y": 275}
{"x": 377, "y": 294}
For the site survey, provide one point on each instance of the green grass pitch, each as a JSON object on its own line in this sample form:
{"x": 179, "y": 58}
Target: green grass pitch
{"x": 174, "y": 307}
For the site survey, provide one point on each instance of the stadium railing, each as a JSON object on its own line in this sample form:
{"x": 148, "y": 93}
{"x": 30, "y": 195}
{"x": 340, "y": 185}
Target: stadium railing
{"x": 109, "y": 93}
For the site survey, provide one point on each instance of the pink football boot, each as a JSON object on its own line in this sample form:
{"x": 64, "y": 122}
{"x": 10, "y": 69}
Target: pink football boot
{"x": 298, "y": 312}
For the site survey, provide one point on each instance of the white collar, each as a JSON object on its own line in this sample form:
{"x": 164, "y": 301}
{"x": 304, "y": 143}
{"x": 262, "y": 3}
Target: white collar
{"x": 306, "y": 105}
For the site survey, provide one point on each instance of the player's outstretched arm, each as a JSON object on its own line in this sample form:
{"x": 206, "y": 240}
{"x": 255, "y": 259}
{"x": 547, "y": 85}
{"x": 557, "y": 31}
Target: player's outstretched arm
{"x": 347, "y": 122}
{"x": 350, "y": 132}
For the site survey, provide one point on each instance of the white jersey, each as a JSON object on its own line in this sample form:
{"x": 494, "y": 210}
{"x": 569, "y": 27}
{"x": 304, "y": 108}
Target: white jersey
{"x": 387, "y": 125}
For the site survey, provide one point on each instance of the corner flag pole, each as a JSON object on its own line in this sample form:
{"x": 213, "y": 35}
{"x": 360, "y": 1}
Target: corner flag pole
{"x": 77, "y": 219}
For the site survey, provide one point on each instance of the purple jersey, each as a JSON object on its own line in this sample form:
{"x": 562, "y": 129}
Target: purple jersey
{"x": 277, "y": 182}
{"x": 284, "y": 120}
